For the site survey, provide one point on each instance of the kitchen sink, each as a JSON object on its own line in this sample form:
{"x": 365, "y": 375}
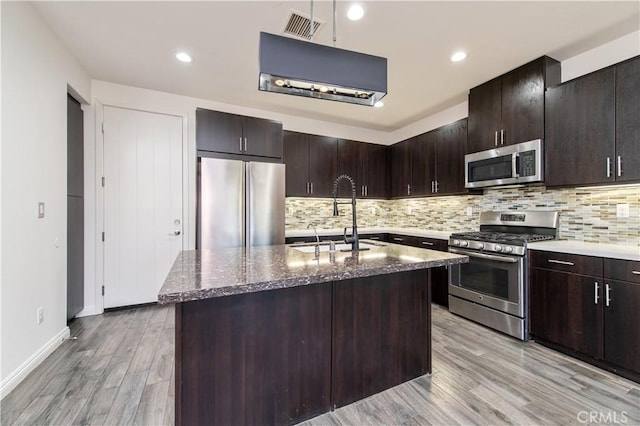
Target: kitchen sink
{"x": 324, "y": 247}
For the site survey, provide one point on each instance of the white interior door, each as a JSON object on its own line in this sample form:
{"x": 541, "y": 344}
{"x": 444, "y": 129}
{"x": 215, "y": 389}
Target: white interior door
{"x": 143, "y": 203}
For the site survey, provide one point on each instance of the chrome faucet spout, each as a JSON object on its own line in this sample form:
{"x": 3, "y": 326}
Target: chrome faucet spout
{"x": 353, "y": 240}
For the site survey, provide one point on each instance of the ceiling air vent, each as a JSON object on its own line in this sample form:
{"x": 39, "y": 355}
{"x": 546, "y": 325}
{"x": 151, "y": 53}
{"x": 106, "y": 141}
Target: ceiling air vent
{"x": 299, "y": 25}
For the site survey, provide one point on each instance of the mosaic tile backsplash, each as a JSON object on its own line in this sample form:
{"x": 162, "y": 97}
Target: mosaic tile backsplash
{"x": 586, "y": 214}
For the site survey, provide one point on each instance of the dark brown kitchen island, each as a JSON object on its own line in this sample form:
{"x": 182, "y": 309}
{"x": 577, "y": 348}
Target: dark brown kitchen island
{"x": 273, "y": 335}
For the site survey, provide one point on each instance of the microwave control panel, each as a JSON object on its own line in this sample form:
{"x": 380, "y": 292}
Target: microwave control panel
{"x": 527, "y": 163}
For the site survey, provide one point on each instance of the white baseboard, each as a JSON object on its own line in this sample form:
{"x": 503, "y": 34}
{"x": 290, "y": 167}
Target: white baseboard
{"x": 89, "y": 311}
{"x": 20, "y": 373}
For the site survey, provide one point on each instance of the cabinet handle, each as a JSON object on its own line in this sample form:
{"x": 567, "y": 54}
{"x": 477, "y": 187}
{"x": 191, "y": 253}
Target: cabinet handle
{"x": 608, "y": 167}
{"x": 560, "y": 262}
{"x": 245, "y": 144}
{"x": 495, "y": 139}
{"x": 635, "y": 272}
{"x": 427, "y": 243}
{"x": 596, "y": 287}
{"x": 311, "y": 186}
{"x": 374, "y": 238}
{"x": 501, "y": 136}
{"x": 240, "y": 144}
{"x": 607, "y": 294}
{"x": 437, "y": 189}
{"x": 619, "y": 166}
{"x": 308, "y": 188}
{"x": 408, "y": 189}
{"x": 366, "y": 190}
{"x": 398, "y": 239}
{"x": 433, "y": 187}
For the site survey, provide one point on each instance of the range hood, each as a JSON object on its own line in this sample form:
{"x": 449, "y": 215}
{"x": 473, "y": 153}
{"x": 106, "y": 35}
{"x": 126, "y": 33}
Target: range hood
{"x": 301, "y": 68}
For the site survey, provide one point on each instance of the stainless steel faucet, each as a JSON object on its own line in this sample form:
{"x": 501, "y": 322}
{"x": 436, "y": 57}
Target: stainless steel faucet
{"x": 315, "y": 231}
{"x": 353, "y": 240}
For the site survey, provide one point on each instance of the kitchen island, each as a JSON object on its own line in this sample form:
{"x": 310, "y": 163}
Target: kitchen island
{"x": 276, "y": 335}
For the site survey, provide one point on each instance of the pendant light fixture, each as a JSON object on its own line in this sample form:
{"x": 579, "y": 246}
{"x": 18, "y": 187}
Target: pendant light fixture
{"x": 301, "y": 68}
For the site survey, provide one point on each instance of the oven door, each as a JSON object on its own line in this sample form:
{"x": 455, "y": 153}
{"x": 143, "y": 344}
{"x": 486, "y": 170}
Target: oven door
{"x": 491, "y": 280}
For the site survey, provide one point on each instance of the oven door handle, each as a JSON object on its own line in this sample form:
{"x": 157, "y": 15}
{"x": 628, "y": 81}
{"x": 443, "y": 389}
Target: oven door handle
{"x": 485, "y": 256}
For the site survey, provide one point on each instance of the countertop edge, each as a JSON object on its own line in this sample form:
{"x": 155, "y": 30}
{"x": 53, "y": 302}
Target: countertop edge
{"x": 612, "y": 251}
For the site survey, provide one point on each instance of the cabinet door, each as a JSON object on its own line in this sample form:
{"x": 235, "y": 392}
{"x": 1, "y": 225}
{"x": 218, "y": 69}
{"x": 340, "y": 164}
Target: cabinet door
{"x": 451, "y": 146}
{"x": 564, "y": 310}
{"x": 421, "y": 165}
{"x": 349, "y": 164}
{"x": 627, "y": 122}
{"x": 218, "y": 131}
{"x": 296, "y": 160}
{"x": 323, "y": 165}
{"x": 523, "y": 104}
{"x": 484, "y": 116}
{"x": 374, "y": 175}
{"x": 262, "y": 137}
{"x": 400, "y": 168}
{"x": 622, "y": 324}
{"x": 580, "y": 130}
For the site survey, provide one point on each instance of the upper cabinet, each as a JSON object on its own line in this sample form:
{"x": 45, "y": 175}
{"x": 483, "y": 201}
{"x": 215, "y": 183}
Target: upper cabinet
{"x": 446, "y": 147}
{"x": 226, "y": 133}
{"x": 311, "y": 164}
{"x": 593, "y": 129}
{"x": 627, "y": 122}
{"x": 510, "y": 109}
{"x": 409, "y": 167}
{"x": 366, "y": 163}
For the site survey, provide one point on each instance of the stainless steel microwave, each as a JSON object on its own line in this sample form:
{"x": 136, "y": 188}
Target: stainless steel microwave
{"x": 508, "y": 165}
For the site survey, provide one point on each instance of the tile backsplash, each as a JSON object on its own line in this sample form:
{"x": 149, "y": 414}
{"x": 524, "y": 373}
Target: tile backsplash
{"x": 586, "y": 214}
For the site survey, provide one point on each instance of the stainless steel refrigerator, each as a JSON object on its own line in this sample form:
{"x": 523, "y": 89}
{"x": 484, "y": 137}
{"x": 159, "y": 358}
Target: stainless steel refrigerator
{"x": 239, "y": 203}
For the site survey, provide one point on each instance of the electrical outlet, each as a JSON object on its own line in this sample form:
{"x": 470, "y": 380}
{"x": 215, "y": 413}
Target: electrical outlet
{"x": 40, "y": 210}
{"x": 469, "y": 211}
{"x": 622, "y": 210}
{"x": 40, "y": 315}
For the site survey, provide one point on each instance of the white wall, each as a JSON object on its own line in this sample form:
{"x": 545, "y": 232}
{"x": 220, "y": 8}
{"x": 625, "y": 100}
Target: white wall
{"x": 36, "y": 70}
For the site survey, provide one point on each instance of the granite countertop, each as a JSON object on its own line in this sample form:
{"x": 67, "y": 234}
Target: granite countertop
{"x": 415, "y": 232}
{"x": 614, "y": 251}
{"x": 206, "y": 274}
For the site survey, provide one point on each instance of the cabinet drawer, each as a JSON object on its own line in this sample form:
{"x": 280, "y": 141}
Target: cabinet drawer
{"x": 431, "y": 243}
{"x": 572, "y": 263}
{"x": 400, "y": 239}
{"x": 623, "y": 270}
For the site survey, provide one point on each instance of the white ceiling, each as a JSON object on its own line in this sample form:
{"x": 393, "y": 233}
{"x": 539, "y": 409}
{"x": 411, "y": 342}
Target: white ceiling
{"x": 134, "y": 43}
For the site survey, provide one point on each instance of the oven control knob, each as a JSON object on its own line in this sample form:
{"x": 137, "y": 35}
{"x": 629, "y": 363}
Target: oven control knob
{"x": 464, "y": 243}
{"x": 480, "y": 245}
{"x": 455, "y": 242}
{"x": 508, "y": 249}
{"x": 497, "y": 247}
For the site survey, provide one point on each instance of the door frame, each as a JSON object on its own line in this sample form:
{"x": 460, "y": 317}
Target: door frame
{"x": 188, "y": 169}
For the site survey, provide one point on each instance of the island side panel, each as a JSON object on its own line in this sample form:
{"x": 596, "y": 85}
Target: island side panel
{"x": 382, "y": 333}
{"x": 258, "y": 358}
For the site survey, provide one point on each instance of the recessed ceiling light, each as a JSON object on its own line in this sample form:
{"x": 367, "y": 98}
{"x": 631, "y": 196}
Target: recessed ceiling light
{"x": 183, "y": 57}
{"x": 355, "y": 12}
{"x": 379, "y": 104}
{"x": 458, "y": 56}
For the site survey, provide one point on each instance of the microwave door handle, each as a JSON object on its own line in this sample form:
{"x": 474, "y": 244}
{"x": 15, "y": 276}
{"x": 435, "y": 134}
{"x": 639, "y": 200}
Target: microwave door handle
{"x": 515, "y": 165}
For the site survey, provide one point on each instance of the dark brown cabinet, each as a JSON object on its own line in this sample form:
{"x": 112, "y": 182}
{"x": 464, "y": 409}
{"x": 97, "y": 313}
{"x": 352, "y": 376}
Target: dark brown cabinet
{"x": 589, "y": 306}
{"x": 439, "y": 276}
{"x": 366, "y": 163}
{"x": 446, "y": 147}
{"x": 409, "y": 174}
{"x": 592, "y": 128}
{"x": 226, "y": 133}
{"x": 627, "y": 123}
{"x": 510, "y": 109}
{"x": 311, "y": 164}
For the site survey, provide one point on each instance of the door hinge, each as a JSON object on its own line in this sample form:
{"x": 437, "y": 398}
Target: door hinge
{"x": 103, "y": 181}
{"x": 103, "y": 236}
{"x": 103, "y": 290}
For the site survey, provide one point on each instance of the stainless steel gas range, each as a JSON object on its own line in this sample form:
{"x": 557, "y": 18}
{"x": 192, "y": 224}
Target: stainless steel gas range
{"x": 492, "y": 288}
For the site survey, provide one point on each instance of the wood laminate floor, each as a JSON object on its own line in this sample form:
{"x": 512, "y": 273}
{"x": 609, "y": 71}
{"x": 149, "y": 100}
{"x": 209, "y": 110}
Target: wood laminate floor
{"x": 120, "y": 372}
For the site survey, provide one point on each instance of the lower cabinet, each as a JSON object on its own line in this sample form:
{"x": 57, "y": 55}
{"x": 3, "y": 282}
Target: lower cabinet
{"x": 439, "y": 276}
{"x": 588, "y": 306}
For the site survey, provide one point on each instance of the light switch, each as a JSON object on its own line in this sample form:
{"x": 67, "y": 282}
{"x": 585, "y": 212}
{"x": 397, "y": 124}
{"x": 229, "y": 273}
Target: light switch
{"x": 622, "y": 210}
{"x": 40, "y": 210}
